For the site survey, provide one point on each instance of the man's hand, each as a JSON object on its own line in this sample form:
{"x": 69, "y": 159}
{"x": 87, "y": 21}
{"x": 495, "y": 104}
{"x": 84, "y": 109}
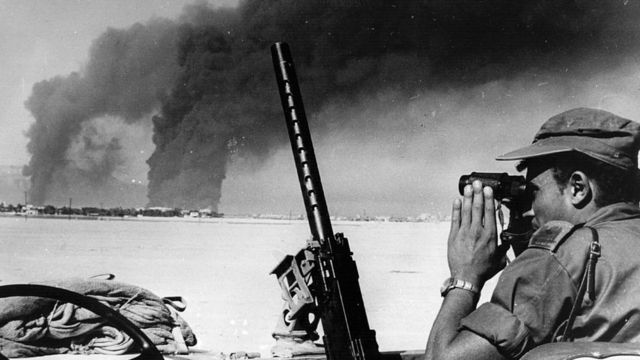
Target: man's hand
{"x": 474, "y": 256}
{"x": 473, "y": 251}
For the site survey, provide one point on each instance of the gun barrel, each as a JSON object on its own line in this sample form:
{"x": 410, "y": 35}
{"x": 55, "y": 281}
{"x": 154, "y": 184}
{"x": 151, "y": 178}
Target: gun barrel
{"x": 335, "y": 279}
{"x": 299, "y": 135}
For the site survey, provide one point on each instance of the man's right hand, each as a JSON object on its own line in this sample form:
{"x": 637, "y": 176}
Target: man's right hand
{"x": 473, "y": 251}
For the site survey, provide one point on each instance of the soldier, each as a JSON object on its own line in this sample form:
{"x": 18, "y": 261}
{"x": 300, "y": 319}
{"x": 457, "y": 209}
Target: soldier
{"x": 584, "y": 257}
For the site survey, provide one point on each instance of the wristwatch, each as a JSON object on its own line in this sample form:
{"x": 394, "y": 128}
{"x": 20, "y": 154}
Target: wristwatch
{"x": 453, "y": 283}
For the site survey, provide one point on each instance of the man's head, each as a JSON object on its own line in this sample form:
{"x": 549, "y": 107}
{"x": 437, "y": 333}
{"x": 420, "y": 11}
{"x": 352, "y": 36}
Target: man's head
{"x": 579, "y": 161}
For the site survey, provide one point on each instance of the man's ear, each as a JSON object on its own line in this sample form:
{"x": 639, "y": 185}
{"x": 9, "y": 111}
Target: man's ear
{"x": 580, "y": 189}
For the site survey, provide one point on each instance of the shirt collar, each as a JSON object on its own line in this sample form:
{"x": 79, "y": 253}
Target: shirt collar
{"x": 614, "y": 212}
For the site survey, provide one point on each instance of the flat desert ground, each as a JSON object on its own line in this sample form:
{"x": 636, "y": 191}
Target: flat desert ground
{"x": 221, "y": 267}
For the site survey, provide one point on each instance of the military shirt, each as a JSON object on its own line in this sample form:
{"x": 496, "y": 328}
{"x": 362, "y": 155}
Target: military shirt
{"x": 535, "y": 293}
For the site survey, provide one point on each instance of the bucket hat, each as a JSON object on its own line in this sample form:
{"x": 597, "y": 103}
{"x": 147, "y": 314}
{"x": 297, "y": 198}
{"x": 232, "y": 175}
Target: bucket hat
{"x": 596, "y": 133}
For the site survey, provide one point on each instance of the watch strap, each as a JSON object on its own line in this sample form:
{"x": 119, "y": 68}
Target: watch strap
{"x": 453, "y": 283}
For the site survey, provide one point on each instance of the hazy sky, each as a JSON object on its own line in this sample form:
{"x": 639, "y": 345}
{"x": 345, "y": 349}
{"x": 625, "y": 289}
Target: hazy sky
{"x": 381, "y": 150}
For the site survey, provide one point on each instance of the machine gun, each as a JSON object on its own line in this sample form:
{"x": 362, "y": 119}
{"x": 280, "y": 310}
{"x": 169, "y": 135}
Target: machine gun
{"x": 321, "y": 281}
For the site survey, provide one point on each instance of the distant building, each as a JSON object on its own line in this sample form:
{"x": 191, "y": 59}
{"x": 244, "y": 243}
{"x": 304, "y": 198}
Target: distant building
{"x": 30, "y": 210}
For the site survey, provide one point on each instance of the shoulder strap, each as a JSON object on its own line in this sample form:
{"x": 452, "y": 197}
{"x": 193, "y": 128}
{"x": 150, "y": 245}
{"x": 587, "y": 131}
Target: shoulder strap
{"x": 552, "y": 234}
{"x": 587, "y": 285}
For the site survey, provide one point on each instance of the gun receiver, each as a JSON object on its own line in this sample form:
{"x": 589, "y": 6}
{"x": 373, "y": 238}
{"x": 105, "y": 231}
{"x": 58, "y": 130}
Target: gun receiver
{"x": 322, "y": 279}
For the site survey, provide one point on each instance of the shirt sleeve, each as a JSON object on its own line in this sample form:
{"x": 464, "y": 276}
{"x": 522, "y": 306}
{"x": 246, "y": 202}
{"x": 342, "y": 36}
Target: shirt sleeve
{"x": 533, "y": 296}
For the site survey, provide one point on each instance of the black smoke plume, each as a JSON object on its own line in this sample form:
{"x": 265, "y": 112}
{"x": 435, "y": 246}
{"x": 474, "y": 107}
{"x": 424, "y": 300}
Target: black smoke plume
{"x": 222, "y": 99}
{"x": 127, "y": 73}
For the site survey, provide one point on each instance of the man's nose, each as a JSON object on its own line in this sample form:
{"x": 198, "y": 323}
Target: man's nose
{"x": 528, "y": 213}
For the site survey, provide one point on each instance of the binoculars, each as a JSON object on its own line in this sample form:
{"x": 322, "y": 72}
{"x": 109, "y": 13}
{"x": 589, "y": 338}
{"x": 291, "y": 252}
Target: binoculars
{"x": 512, "y": 191}
{"x": 508, "y": 188}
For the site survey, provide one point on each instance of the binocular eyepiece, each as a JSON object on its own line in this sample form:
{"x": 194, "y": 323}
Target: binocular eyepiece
{"x": 505, "y": 187}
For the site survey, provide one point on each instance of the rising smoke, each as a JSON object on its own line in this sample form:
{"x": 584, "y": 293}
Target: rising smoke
{"x": 208, "y": 78}
{"x": 127, "y": 74}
